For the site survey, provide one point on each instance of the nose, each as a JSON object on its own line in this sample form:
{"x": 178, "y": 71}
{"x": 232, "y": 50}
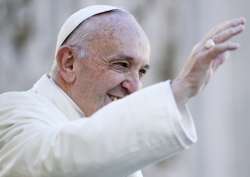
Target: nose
{"x": 132, "y": 84}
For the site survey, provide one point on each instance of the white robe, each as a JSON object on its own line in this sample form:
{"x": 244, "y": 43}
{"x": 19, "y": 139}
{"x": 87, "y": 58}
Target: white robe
{"x": 43, "y": 133}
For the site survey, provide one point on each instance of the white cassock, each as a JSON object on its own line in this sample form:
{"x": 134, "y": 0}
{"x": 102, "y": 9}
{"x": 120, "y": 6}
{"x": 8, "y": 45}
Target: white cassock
{"x": 43, "y": 133}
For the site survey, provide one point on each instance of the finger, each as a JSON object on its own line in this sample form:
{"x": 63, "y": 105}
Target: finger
{"x": 228, "y": 34}
{"x": 228, "y": 24}
{"x": 219, "y": 61}
{"x": 231, "y": 23}
{"x": 219, "y": 49}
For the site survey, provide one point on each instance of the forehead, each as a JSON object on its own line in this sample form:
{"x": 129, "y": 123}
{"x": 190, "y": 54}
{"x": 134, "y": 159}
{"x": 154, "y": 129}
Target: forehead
{"x": 115, "y": 33}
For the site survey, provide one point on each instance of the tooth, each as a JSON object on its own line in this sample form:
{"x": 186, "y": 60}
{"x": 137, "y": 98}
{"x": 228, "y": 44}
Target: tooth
{"x": 112, "y": 97}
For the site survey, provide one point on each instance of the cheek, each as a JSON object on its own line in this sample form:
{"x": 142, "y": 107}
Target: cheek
{"x": 111, "y": 79}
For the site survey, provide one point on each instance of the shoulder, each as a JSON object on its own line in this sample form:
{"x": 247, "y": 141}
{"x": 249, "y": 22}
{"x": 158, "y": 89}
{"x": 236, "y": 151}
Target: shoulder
{"x": 27, "y": 105}
{"x": 20, "y": 99}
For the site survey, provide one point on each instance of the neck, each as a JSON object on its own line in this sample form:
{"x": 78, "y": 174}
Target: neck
{"x": 61, "y": 83}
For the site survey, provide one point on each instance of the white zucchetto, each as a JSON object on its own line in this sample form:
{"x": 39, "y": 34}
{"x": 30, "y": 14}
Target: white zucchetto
{"x": 77, "y": 18}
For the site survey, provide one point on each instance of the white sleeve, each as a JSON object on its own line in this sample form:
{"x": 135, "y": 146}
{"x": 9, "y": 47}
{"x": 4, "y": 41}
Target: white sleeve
{"x": 116, "y": 141}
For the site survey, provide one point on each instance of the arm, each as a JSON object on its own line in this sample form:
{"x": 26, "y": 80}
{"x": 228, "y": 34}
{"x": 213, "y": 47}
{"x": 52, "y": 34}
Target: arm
{"x": 116, "y": 141}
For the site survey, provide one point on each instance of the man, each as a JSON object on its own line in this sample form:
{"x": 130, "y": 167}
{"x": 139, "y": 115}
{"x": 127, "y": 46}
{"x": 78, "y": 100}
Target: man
{"x": 79, "y": 120}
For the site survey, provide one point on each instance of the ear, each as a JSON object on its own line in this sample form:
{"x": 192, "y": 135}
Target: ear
{"x": 65, "y": 61}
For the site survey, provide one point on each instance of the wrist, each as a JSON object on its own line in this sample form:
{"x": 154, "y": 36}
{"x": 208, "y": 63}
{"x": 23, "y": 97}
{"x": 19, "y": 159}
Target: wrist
{"x": 181, "y": 91}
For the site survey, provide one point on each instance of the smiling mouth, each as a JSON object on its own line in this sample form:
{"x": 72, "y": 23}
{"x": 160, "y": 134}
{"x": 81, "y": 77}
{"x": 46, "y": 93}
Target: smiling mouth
{"x": 114, "y": 98}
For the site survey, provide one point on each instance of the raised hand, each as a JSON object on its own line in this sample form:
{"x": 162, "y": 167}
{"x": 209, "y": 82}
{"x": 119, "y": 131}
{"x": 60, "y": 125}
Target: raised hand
{"x": 205, "y": 58}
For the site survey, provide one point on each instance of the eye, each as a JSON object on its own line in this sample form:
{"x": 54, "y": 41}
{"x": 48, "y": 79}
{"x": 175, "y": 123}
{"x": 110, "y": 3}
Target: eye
{"x": 123, "y": 64}
{"x": 120, "y": 66}
{"x": 142, "y": 72}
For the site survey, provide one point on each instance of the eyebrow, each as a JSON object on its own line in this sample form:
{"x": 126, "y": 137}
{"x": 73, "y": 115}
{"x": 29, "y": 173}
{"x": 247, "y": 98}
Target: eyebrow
{"x": 126, "y": 57}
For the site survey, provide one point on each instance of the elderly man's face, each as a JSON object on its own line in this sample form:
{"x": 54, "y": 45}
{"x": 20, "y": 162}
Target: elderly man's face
{"x": 117, "y": 58}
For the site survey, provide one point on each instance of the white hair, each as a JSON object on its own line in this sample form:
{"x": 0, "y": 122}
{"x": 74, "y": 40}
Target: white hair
{"x": 71, "y": 25}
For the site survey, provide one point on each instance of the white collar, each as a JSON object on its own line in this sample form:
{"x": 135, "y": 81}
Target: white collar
{"x": 46, "y": 87}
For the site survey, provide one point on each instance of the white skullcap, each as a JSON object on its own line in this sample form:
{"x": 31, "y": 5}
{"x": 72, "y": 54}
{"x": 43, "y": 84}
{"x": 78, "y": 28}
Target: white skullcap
{"x": 77, "y": 18}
